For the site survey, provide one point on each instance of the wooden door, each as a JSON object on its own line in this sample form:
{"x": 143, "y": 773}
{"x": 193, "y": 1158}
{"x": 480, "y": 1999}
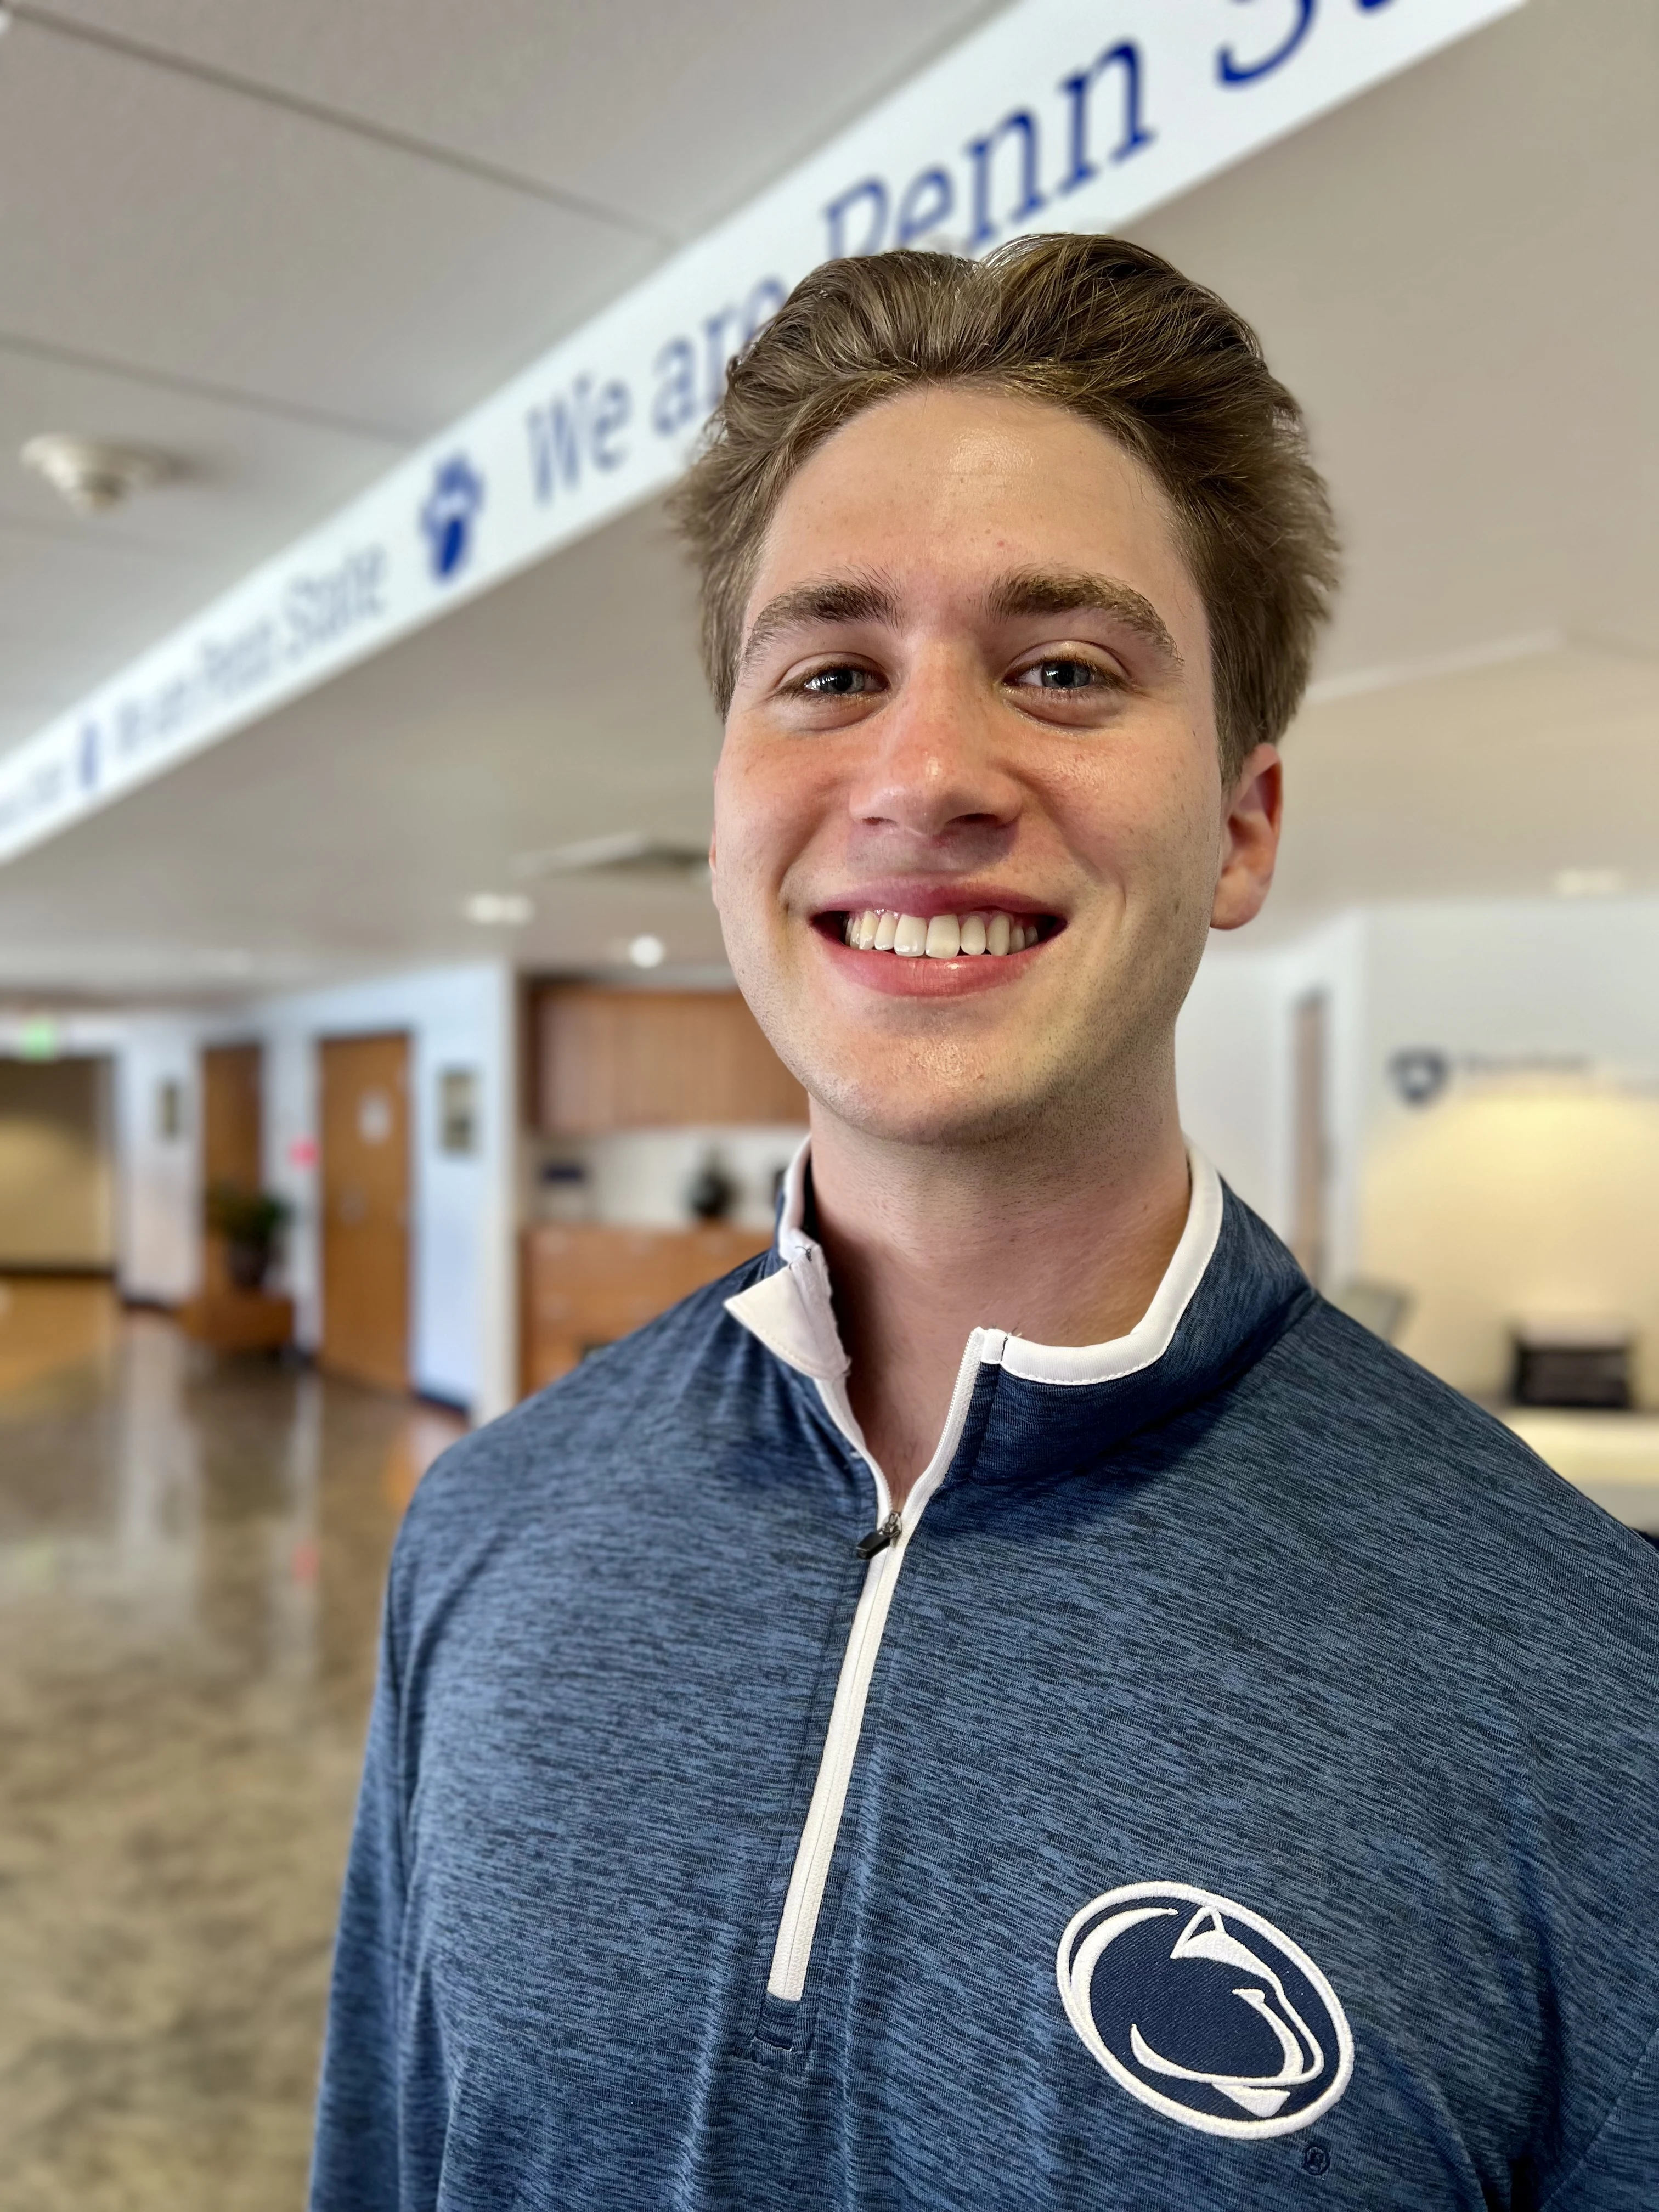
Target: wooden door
{"x": 365, "y": 1189}
{"x": 233, "y": 1138}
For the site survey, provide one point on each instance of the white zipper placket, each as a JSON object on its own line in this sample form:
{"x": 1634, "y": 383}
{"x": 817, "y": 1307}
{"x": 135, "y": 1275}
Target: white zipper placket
{"x": 793, "y": 1952}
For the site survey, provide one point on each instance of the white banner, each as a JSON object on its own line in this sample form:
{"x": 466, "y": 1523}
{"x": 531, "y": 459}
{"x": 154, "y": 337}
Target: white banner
{"x": 1058, "y": 115}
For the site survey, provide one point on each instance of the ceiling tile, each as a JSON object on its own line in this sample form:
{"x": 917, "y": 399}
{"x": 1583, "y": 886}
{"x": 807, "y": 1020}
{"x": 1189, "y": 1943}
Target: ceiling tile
{"x": 72, "y": 608}
{"x": 673, "y": 113}
{"x": 346, "y": 828}
{"x": 207, "y": 234}
{"x": 1456, "y": 274}
{"x": 79, "y": 595}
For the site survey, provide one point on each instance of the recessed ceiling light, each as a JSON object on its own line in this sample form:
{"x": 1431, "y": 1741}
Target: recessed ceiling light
{"x": 498, "y": 909}
{"x": 646, "y": 951}
{"x": 92, "y": 473}
{"x": 1589, "y": 883}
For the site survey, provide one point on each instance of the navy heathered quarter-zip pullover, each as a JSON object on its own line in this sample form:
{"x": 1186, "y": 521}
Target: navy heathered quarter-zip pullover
{"x": 1232, "y": 1781}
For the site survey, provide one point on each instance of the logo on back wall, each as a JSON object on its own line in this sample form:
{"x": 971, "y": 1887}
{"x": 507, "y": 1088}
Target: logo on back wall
{"x": 452, "y": 509}
{"x": 1204, "y": 2010}
{"x": 1420, "y": 1074}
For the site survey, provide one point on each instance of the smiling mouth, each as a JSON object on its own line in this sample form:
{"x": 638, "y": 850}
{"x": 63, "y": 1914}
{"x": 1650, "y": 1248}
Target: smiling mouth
{"x": 988, "y": 932}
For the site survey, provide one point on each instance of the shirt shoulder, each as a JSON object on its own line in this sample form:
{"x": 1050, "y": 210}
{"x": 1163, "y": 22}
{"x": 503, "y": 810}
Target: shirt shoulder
{"x": 1434, "y": 1494}
{"x": 675, "y": 1385}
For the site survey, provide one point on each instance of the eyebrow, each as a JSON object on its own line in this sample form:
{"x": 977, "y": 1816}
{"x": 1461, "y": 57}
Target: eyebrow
{"x": 846, "y": 600}
{"x": 1074, "y": 591}
{"x": 1026, "y": 592}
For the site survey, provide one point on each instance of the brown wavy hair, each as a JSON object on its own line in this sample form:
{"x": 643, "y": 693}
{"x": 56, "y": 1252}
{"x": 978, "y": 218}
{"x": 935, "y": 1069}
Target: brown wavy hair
{"x": 1096, "y": 325}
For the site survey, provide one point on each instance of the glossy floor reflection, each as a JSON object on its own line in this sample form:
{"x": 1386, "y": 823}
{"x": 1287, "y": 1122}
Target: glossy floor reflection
{"x": 190, "y": 1563}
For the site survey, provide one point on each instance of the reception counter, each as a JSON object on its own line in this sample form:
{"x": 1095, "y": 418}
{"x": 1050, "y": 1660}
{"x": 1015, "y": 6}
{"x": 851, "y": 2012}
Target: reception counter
{"x": 1612, "y": 1457}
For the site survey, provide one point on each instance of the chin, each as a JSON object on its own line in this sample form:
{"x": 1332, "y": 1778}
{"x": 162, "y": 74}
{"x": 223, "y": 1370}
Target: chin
{"x": 920, "y": 1103}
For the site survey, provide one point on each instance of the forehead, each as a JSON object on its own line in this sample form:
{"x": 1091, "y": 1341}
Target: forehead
{"x": 944, "y": 488}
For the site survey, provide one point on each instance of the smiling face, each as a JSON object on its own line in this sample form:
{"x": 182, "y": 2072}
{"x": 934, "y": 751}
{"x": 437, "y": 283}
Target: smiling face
{"x": 974, "y": 708}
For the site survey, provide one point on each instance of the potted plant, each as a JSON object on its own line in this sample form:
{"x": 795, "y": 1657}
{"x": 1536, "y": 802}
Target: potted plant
{"x": 252, "y": 1222}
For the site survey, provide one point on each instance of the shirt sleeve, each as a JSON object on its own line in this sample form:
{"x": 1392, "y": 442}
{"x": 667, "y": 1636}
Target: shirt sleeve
{"x": 357, "y": 2158}
{"x": 1619, "y": 2171}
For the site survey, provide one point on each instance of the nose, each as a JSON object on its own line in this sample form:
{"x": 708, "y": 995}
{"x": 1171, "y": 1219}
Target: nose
{"x": 936, "y": 769}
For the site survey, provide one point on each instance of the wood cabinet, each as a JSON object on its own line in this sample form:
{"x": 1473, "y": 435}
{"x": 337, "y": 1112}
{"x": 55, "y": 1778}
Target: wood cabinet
{"x": 587, "y": 1283}
{"x": 609, "y": 1060}
{"x": 230, "y": 1320}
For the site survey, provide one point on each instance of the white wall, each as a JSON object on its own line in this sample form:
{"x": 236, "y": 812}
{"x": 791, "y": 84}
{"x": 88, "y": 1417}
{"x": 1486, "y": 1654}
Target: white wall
{"x": 463, "y": 1299}
{"x": 158, "y": 1176}
{"x": 1530, "y": 1184}
{"x": 638, "y": 1178}
{"x": 463, "y": 1318}
{"x": 156, "y": 1228}
{"x": 1234, "y": 1048}
{"x": 1511, "y": 1199}
{"x": 1232, "y": 1074}
{"x": 1558, "y": 979}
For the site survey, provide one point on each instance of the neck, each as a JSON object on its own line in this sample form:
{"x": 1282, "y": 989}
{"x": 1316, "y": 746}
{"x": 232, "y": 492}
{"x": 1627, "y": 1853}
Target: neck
{"x": 1065, "y": 1243}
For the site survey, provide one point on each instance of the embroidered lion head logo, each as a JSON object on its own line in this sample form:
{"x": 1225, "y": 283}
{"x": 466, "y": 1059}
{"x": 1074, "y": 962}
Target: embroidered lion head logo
{"x": 1203, "y": 2010}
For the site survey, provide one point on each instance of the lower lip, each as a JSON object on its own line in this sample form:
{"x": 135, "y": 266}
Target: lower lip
{"x": 916, "y": 976}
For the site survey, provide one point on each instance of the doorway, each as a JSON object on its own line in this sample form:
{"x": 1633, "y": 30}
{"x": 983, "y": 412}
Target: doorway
{"x": 232, "y": 1139}
{"x": 56, "y": 1178}
{"x": 365, "y": 1192}
{"x": 1311, "y": 1145}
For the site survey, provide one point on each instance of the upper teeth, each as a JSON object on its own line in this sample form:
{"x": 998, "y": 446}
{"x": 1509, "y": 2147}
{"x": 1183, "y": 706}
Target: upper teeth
{"x": 941, "y": 936}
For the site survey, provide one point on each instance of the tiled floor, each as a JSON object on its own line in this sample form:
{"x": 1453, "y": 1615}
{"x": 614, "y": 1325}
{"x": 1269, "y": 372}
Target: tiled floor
{"x": 191, "y": 1559}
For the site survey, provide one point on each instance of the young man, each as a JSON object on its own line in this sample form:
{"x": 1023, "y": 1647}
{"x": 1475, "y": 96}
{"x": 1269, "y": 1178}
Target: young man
{"x": 1010, "y": 1701}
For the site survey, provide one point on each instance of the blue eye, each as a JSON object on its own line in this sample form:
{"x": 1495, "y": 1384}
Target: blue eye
{"x": 1064, "y": 675}
{"x": 838, "y": 682}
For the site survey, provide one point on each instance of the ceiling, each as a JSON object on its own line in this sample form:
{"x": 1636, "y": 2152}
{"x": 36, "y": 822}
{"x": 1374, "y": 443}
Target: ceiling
{"x": 1456, "y": 272}
{"x": 287, "y": 244}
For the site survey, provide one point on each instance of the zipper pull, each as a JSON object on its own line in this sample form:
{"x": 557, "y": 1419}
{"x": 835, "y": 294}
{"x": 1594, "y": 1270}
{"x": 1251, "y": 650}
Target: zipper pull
{"x": 879, "y": 1538}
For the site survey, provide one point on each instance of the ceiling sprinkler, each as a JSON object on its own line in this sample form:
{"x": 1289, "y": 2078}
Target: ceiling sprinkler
{"x": 92, "y": 473}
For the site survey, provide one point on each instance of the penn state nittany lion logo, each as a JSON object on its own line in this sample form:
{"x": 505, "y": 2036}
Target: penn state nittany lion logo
{"x": 1204, "y": 2010}
{"x": 452, "y": 508}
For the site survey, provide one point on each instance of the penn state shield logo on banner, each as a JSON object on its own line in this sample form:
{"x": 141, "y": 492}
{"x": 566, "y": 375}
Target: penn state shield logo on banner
{"x": 450, "y": 513}
{"x": 1204, "y": 2010}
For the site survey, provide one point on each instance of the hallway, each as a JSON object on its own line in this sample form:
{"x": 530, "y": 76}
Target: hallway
{"x": 190, "y": 1563}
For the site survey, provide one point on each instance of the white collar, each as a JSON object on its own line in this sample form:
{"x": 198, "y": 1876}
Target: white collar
{"x": 791, "y": 1312}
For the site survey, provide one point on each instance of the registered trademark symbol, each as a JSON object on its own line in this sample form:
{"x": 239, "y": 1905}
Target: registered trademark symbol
{"x": 1315, "y": 2159}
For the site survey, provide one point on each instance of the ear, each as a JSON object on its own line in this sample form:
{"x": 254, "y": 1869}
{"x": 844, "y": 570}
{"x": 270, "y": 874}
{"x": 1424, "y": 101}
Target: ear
{"x": 711, "y": 856}
{"x": 1250, "y": 840}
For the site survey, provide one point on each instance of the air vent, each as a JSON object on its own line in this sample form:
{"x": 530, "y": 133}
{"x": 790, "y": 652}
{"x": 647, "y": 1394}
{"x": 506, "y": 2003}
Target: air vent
{"x": 628, "y": 853}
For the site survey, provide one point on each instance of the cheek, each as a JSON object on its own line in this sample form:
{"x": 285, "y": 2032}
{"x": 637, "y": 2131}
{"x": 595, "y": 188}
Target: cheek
{"x": 1142, "y": 812}
{"x": 770, "y": 799}
{"x": 761, "y": 817}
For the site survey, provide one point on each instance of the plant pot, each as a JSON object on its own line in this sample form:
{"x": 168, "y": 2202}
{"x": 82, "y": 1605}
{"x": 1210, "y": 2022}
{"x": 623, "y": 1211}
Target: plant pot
{"x": 248, "y": 1264}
